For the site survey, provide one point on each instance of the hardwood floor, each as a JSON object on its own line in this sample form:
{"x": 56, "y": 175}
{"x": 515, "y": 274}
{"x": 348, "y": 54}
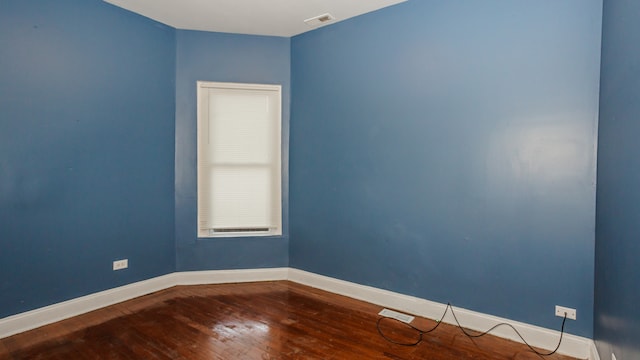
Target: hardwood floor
{"x": 264, "y": 321}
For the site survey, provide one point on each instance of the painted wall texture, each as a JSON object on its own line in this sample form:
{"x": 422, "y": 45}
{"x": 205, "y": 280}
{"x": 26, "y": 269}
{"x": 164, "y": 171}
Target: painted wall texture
{"x": 617, "y": 315}
{"x": 86, "y": 150}
{"x": 226, "y": 58}
{"x": 446, "y": 149}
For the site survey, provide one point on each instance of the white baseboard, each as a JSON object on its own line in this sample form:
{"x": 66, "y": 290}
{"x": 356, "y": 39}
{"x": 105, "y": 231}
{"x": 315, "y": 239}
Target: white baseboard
{"x": 230, "y": 276}
{"x": 572, "y": 345}
{"x": 49, "y": 314}
{"x": 593, "y": 351}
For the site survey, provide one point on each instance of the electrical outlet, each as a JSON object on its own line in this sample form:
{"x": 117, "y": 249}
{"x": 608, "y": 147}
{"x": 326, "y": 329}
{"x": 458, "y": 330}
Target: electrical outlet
{"x": 120, "y": 264}
{"x": 561, "y": 310}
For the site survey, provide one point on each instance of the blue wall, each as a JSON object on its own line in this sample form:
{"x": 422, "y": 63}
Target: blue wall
{"x": 227, "y": 58}
{"x": 446, "y": 149}
{"x": 86, "y": 150}
{"x": 617, "y": 314}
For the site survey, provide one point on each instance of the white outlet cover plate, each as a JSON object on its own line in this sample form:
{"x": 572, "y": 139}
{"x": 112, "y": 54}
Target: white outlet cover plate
{"x": 561, "y": 310}
{"x": 120, "y": 264}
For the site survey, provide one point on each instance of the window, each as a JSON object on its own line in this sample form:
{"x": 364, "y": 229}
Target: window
{"x": 239, "y": 160}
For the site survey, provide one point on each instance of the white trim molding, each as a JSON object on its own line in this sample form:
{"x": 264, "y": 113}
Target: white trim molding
{"x": 230, "y": 276}
{"x": 49, "y": 314}
{"x": 572, "y": 345}
{"x": 575, "y": 346}
{"x": 593, "y": 351}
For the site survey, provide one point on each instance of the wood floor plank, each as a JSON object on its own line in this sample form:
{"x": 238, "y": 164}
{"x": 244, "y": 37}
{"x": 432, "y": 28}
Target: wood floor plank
{"x": 262, "y": 321}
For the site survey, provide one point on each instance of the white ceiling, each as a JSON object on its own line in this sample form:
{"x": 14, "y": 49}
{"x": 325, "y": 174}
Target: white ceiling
{"x": 257, "y": 17}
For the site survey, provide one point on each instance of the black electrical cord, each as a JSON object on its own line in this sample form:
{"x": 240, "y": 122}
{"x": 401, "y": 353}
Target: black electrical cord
{"x": 420, "y": 332}
{"x": 464, "y": 331}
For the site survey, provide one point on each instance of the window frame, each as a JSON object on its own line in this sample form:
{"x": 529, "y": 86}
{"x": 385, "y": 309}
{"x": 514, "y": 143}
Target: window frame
{"x": 276, "y": 191}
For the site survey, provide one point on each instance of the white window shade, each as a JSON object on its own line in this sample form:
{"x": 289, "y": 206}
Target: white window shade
{"x": 241, "y": 198}
{"x": 239, "y": 166}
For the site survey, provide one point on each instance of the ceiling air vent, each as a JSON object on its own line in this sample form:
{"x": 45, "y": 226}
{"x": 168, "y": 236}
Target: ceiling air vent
{"x": 320, "y": 20}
